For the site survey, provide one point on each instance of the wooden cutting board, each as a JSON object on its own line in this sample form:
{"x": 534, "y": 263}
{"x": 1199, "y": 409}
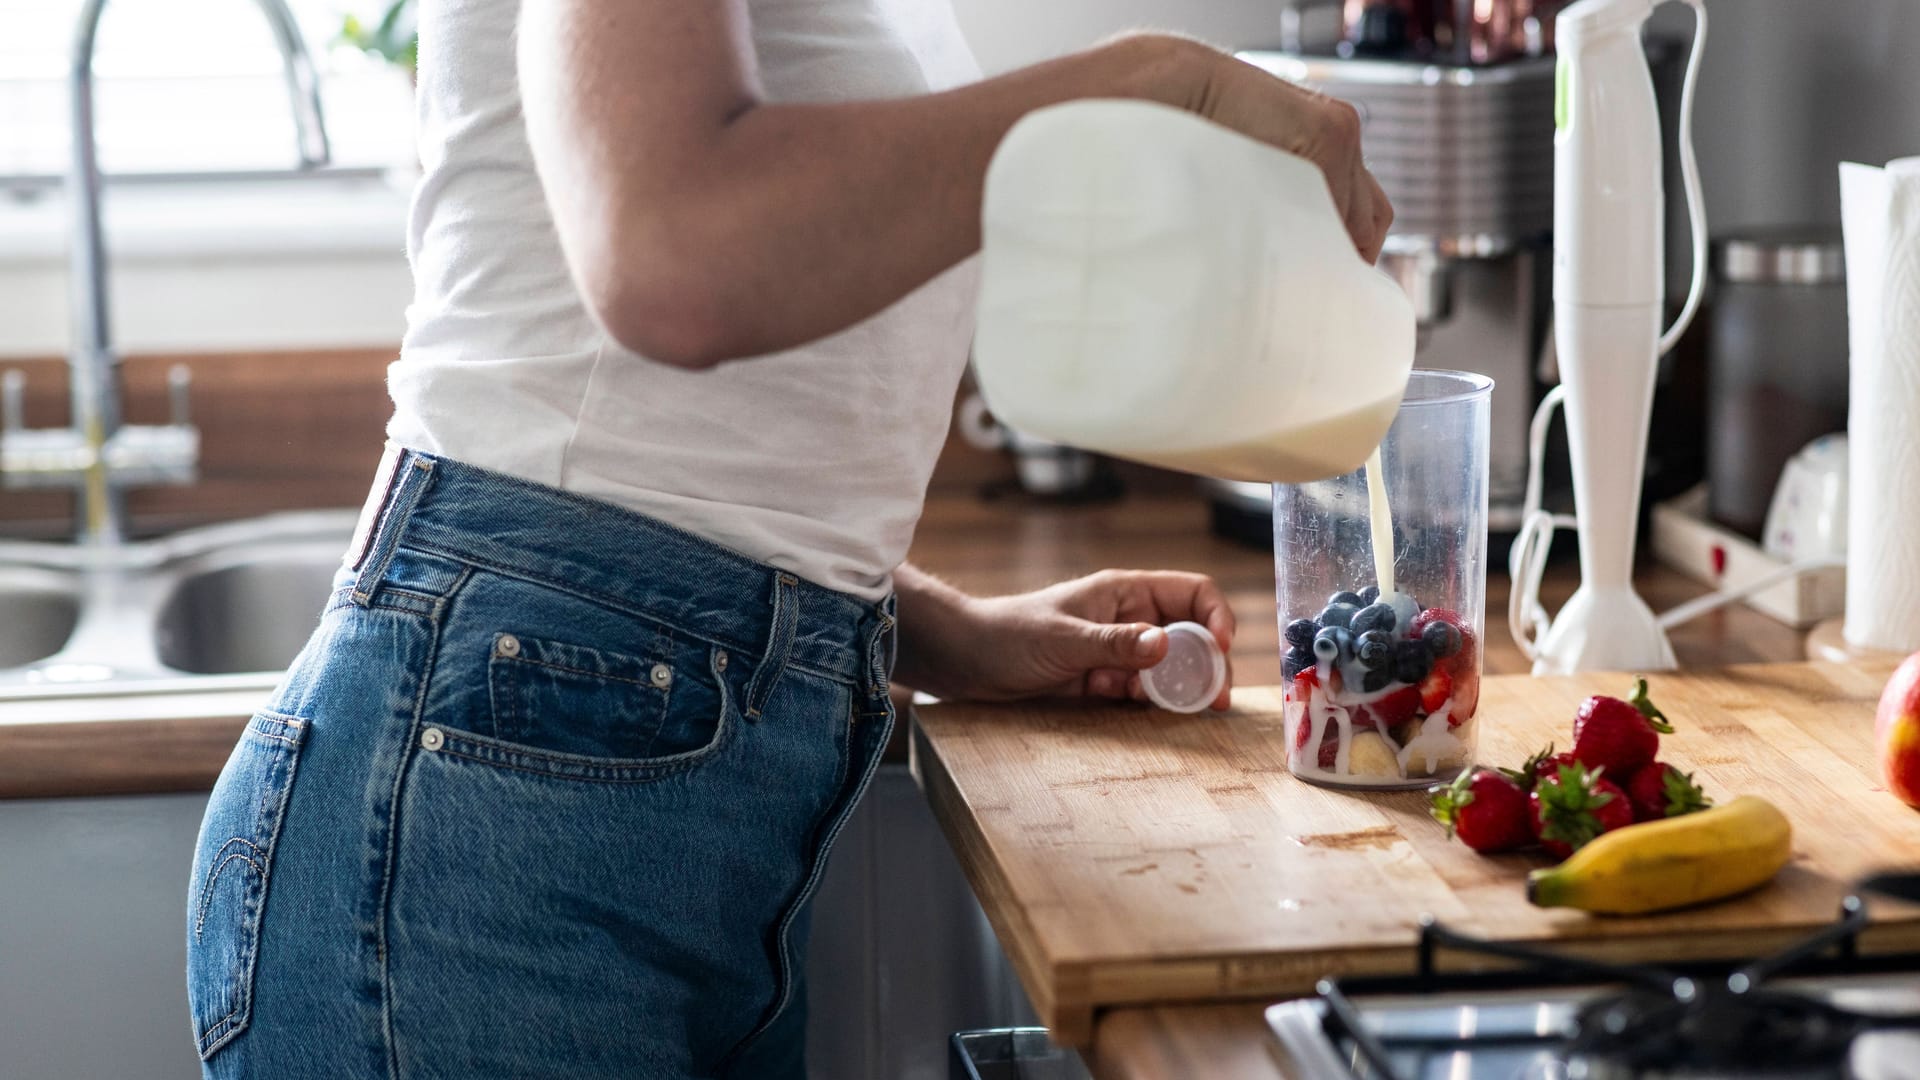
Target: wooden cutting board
{"x": 1127, "y": 855}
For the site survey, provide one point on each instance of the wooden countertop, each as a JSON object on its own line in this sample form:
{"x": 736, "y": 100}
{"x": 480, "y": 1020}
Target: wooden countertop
{"x": 1015, "y": 544}
{"x": 1128, "y": 856}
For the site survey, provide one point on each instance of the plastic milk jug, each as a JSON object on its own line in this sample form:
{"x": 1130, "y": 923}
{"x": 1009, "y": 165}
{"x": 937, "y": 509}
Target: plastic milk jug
{"x": 1159, "y": 288}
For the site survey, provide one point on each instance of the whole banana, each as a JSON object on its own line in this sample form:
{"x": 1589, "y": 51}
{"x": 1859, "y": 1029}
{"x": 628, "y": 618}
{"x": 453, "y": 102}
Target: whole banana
{"x": 1671, "y": 863}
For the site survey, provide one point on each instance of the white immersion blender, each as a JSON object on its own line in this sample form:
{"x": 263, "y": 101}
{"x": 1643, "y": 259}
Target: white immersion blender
{"x": 1608, "y": 286}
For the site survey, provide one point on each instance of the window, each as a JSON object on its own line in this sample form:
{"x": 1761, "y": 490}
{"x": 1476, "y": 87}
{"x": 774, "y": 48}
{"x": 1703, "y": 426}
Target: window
{"x": 191, "y": 87}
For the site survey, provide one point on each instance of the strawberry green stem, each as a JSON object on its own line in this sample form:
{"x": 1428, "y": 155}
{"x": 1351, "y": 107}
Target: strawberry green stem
{"x": 1648, "y": 709}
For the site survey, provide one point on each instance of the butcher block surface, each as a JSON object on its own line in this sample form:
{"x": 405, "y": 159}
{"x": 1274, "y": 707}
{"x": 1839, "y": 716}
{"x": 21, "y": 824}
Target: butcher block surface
{"x": 1129, "y": 856}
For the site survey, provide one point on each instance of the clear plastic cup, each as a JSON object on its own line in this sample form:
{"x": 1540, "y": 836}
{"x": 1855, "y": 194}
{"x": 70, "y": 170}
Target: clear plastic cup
{"x": 1385, "y": 691}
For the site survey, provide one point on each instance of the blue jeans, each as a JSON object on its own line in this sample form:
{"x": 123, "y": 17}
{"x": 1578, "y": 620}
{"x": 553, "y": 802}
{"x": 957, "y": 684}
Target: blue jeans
{"x": 547, "y": 793}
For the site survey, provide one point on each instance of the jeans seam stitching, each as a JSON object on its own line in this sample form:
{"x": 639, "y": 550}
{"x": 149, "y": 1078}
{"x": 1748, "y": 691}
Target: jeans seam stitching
{"x": 807, "y": 889}
{"x": 408, "y": 749}
{"x": 523, "y": 659}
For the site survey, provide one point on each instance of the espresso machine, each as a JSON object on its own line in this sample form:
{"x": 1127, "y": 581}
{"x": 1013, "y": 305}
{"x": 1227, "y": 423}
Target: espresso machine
{"x": 1456, "y": 104}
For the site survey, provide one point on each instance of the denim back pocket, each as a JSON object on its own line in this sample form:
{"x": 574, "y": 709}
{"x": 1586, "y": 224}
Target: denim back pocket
{"x": 231, "y": 867}
{"x": 575, "y": 699}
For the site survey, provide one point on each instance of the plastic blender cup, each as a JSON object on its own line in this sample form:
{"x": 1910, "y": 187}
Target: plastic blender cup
{"x": 1383, "y": 687}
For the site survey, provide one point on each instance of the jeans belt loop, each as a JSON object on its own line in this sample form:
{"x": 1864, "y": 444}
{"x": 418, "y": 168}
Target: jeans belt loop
{"x": 786, "y": 618}
{"x": 413, "y": 473}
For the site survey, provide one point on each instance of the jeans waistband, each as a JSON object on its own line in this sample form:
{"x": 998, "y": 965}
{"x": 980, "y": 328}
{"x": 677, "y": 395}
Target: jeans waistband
{"x": 617, "y": 556}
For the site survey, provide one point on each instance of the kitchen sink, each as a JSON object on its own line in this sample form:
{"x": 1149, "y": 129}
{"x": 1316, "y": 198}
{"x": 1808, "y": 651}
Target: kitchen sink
{"x": 225, "y": 607}
{"x": 41, "y": 608}
{"x": 251, "y": 616}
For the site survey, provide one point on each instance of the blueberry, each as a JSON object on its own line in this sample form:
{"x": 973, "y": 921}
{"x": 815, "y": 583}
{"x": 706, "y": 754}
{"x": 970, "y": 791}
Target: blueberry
{"x": 1344, "y": 597}
{"x": 1300, "y": 633}
{"x": 1369, "y": 594}
{"x": 1374, "y": 617}
{"x": 1333, "y": 643}
{"x": 1337, "y": 615}
{"x": 1375, "y": 681}
{"x": 1296, "y": 661}
{"x": 1375, "y": 649}
{"x": 1411, "y": 661}
{"x": 1440, "y": 638}
{"x": 1404, "y": 607}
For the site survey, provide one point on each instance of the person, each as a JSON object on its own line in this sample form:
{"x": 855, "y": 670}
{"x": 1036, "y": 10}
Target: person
{"x": 609, "y": 661}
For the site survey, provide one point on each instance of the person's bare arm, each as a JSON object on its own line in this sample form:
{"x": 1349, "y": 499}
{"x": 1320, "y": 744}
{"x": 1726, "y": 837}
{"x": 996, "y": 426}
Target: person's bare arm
{"x": 703, "y": 224}
{"x": 1089, "y": 637}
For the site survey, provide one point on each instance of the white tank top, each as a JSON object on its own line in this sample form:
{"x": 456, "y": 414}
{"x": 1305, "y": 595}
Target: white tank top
{"x": 814, "y": 460}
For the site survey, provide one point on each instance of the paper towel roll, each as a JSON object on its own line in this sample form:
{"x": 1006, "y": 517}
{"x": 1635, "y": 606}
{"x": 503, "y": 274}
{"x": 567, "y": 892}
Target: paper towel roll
{"x": 1880, "y": 214}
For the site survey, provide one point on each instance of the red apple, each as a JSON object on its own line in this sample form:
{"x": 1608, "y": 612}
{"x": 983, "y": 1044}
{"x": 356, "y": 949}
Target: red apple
{"x": 1896, "y": 731}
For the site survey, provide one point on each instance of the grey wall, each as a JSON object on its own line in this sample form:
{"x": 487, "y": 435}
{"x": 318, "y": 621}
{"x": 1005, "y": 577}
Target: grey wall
{"x": 1789, "y": 88}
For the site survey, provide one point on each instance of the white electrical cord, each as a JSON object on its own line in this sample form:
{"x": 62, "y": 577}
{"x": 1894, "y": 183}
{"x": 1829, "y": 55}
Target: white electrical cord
{"x": 1527, "y": 558}
{"x": 1695, "y": 608}
{"x": 1690, "y": 177}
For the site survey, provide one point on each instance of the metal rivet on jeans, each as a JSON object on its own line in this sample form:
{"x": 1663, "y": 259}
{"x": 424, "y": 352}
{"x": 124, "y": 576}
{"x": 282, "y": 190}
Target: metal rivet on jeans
{"x": 432, "y": 739}
{"x": 720, "y": 660}
{"x": 662, "y": 675}
{"x": 508, "y": 645}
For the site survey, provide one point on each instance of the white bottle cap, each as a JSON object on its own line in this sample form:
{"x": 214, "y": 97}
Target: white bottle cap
{"x": 1191, "y": 675}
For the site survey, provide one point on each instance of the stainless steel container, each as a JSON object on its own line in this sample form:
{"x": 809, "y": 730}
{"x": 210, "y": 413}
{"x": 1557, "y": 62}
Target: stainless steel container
{"x": 1777, "y": 362}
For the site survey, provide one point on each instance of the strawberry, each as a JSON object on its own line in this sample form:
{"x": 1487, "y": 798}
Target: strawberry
{"x": 1301, "y": 689}
{"x": 1396, "y": 708}
{"x": 1486, "y": 810}
{"x": 1528, "y": 773}
{"x": 1549, "y": 765}
{"x": 1661, "y": 791}
{"x": 1418, "y": 627}
{"x": 1463, "y": 666}
{"x": 1435, "y": 689}
{"x": 1619, "y": 736}
{"x": 1330, "y": 749}
{"x": 1466, "y": 694}
{"x": 1575, "y": 805}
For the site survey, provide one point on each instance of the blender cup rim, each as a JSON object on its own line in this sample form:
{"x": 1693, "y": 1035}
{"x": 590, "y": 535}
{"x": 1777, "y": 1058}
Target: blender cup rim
{"x": 1441, "y": 386}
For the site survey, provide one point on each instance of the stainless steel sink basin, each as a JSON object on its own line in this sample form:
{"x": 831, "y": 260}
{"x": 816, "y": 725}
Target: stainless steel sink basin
{"x": 221, "y": 608}
{"x": 38, "y": 611}
{"x": 251, "y": 616}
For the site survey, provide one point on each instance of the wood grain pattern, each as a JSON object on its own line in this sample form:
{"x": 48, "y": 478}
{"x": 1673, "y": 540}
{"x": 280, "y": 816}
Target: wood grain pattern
{"x": 120, "y": 757}
{"x": 1130, "y": 856}
{"x": 1215, "y": 1042}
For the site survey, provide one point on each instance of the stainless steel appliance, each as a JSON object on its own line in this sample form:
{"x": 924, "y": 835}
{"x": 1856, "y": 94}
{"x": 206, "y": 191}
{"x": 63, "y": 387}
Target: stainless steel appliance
{"x": 1777, "y": 361}
{"x": 1466, "y": 154}
{"x": 1832, "y": 1013}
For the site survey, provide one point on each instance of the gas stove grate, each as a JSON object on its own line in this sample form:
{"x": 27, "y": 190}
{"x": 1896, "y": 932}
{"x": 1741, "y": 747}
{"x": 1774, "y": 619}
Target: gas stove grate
{"x": 1696, "y": 1018}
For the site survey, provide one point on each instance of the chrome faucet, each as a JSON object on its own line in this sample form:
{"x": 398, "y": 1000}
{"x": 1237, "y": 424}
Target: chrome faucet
{"x": 97, "y": 454}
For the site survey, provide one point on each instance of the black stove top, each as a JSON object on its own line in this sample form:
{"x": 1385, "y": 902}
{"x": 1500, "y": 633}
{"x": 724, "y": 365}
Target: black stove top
{"x": 1816, "y": 1010}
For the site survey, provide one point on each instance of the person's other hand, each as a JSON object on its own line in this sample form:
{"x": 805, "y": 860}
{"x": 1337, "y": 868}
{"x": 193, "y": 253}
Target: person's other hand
{"x": 1324, "y": 130}
{"x": 1089, "y": 637}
